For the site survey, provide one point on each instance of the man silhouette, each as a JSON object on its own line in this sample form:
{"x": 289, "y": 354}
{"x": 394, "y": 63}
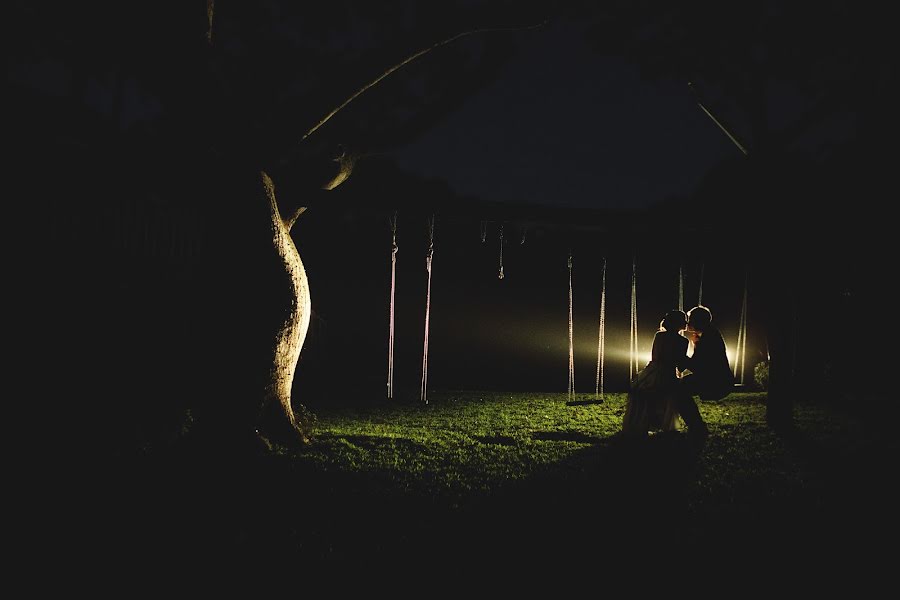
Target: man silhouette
{"x": 710, "y": 376}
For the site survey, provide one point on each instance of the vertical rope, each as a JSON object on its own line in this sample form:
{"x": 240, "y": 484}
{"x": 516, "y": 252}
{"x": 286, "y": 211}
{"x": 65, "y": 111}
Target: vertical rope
{"x": 428, "y": 257}
{"x": 681, "y": 285}
{"x": 601, "y": 337}
{"x": 795, "y": 317}
{"x": 700, "y": 292}
{"x": 633, "y": 349}
{"x": 483, "y": 231}
{"x": 740, "y": 350}
{"x": 744, "y": 340}
{"x": 571, "y": 390}
{"x": 390, "y": 376}
{"x": 500, "y": 273}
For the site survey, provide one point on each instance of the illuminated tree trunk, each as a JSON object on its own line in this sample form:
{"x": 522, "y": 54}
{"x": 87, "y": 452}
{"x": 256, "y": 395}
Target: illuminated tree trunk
{"x": 253, "y": 315}
{"x": 289, "y": 337}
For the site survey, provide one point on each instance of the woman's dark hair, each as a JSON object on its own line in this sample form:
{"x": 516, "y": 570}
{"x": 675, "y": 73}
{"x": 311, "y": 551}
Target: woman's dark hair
{"x": 675, "y": 320}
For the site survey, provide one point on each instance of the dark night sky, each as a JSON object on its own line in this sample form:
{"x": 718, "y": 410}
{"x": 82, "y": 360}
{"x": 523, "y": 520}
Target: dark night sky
{"x": 565, "y": 126}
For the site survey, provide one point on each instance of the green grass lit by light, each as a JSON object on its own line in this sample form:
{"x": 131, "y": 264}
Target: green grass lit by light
{"x": 475, "y": 442}
{"x": 463, "y": 441}
{"x": 468, "y": 444}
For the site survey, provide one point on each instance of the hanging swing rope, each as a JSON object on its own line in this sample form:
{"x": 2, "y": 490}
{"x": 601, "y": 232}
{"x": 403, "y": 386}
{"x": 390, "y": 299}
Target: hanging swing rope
{"x": 500, "y": 273}
{"x": 428, "y": 257}
{"x": 700, "y": 291}
{"x": 390, "y": 375}
{"x": 795, "y": 319}
{"x": 681, "y": 285}
{"x": 740, "y": 349}
{"x": 633, "y": 349}
{"x": 601, "y": 337}
{"x": 571, "y": 390}
{"x": 483, "y": 231}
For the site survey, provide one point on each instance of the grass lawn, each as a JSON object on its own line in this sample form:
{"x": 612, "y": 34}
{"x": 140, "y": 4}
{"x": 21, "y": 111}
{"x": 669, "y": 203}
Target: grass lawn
{"x": 478, "y": 476}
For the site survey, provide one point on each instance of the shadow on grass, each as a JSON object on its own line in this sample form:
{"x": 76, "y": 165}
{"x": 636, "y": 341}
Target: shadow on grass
{"x": 369, "y": 442}
{"x": 584, "y": 402}
{"x": 565, "y": 436}
{"x": 613, "y": 499}
{"x": 599, "y": 499}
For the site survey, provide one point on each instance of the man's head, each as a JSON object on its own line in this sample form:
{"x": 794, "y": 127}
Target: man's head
{"x": 699, "y": 317}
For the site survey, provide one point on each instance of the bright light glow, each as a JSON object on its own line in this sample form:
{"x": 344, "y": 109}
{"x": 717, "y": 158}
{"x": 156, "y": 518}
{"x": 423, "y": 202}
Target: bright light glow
{"x": 623, "y": 354}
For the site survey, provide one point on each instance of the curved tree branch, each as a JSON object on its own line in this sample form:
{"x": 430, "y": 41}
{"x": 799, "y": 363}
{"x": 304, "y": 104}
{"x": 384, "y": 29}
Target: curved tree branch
{"x": 724, "y": 129}
{"x": 409, "y": 60}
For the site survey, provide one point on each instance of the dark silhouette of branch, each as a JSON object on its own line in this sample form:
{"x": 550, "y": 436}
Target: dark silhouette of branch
{"x": 737, "y": 143}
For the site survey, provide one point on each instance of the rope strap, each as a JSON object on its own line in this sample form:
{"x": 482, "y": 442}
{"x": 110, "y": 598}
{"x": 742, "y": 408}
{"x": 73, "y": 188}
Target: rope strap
{"x": 601, "y": 337}
{"x": 429, "y": 255}
{"x": 390, "y": 374}
{"x": 571, "y": 389}
{"x": 500, "y": 273}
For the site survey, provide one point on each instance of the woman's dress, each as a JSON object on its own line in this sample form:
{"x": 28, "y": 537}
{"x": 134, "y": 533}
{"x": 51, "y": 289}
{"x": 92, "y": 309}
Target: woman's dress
{"x": 652, "y": 397}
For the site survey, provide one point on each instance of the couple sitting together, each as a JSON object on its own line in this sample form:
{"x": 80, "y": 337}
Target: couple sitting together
{"x": 665, "y": 388}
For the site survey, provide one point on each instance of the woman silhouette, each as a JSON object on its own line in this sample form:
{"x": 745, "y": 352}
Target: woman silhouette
{"x": 652, "y": 399}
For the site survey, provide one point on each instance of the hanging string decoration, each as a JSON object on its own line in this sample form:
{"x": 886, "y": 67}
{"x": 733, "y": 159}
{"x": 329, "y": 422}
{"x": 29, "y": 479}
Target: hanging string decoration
{"x": 795, "y": 318}
{"x": 601, "y": 337}
{"x": 210, "y": 11}
{"x": 390, "y": 375}
{"x": 740, "y": 349}
{"x": 571, "y": 390}
{"x": 633, "y": 346}
{"x": 428, "y": 256}
{"x": 500, "y": 273}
